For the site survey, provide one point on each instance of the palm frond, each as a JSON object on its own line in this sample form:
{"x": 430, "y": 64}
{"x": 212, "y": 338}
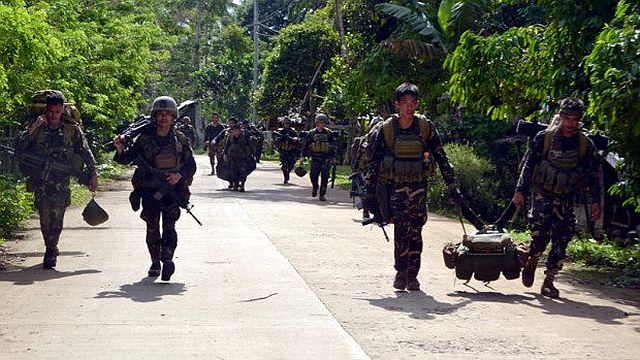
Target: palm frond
{"x": 465, "y": 15}
{"x": 411, "y": 48}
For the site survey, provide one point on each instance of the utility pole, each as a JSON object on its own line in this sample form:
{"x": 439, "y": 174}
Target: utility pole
{"x": 256, "y": 58}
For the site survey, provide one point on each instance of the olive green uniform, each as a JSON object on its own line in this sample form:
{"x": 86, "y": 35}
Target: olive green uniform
{"x": 320, "y": 145}
{"x": 51, "y": 190}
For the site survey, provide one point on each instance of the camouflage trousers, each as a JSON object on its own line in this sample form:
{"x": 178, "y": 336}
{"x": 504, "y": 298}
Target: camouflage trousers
{"x": 320, "y": 167}
{"x": 215, "y": 155}
{"x": 409, "y": 212}
{"x": 161, "y": 246}
{"x": 52, "y": 200}
{"x": 287, "y": 162}
{"x": 551, "y": 219}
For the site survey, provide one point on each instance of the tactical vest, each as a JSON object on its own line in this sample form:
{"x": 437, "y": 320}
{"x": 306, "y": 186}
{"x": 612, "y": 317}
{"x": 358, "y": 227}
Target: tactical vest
{"x": 238, "y": 148}
{"x": 404, "y": 158}
{"x": 285, "y": 145}
{"x": 166, "y": 158}
{"x": 62, "y": 151}
{"x": 559, "y": 172}
{"x": 320, "y": 144}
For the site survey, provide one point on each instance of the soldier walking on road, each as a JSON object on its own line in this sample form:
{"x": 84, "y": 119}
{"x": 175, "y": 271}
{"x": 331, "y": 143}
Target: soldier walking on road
{"x": 239, "y": 152}
{"x": 320, "y": 145}
{"x": 560, "y": 161}
{"x": 51, "y": 137}
{"x": 210, "y": 133}
{"x": 286, "y": 140}
{"x": 169, "y": 153}
{"x": 402, "y": 151}
{"x": 188, "y": 130}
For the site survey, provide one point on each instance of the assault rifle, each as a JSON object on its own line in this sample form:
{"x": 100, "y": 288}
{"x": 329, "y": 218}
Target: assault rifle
{"x": 141, "y": 125}
{"x": 163, "y": 188}
{"x": 333, "y": 175}
{"x": 45, "y": 165}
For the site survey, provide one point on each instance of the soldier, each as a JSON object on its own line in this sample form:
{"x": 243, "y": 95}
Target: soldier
{"x": 188, "y": 130}
{"x": 402, "y": 150}
{"x": 286, "y": 140}
{"x": 359, "y": 161}
{"x": 561, "y": 158}
{"x": 52, "y": 137}
{"x": 320, "y": 145}
{"x": 169, "y": 153}
{"x": 210, "y": 133}
{"x": 238, "y": 151}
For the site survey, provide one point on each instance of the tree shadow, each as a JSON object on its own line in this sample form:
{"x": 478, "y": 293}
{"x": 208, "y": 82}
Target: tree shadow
{"x": 145, "y": 290}
{"x": 417, "y": 304}
{"x": 35, "y": 273}
{"x": 41, "y": 254}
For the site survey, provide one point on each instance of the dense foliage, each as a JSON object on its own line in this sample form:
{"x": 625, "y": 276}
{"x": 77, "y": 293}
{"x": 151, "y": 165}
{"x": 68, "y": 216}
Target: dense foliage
{"x": 16, "y": 205}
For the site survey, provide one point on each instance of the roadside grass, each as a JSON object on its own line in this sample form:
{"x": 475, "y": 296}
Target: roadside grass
{"x": 109, "y": 171}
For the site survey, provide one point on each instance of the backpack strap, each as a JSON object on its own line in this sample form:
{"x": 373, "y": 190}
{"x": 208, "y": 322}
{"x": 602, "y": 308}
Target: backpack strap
{"x": 388, "y": 127}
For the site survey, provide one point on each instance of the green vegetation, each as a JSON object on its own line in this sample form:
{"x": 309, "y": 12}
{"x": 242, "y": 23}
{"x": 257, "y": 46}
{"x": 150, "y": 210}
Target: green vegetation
{"x": 620, "y": 263}
{"x": 17, "y": 205}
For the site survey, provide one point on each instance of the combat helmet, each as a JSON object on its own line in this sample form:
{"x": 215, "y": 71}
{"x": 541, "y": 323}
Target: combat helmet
{"x": 93, "y": 214}
{"x": 300, "y": 171}
{"x": 166, "y": 103}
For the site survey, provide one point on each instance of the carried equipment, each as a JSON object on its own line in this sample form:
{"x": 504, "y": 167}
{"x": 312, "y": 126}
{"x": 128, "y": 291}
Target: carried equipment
{"x": 93, "y": 214}
{"x": 300, "y": 171}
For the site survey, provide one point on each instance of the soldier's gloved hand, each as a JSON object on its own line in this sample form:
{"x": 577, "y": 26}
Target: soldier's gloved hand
{"x": 455, "y": 196}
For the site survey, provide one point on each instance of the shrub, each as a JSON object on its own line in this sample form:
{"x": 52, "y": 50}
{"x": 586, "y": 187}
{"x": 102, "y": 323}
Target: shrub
{"x": 476, "y": 179}
{"x": 16, "y": 205}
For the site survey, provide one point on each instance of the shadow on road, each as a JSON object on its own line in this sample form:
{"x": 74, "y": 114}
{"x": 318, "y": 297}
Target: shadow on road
{"x": 145, "y": 290}
{"x": 283, "y": 193}
{"x": 417, "y": 304}
{"x": 35, "y": 273}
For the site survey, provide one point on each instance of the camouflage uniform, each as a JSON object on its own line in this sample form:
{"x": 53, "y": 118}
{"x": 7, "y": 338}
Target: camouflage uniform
{"x": 190, "y": 132}
{"x": 215, "y": 151}
{"x": 239, "y": 152}
{"x": 407, "y": 197}
{"x": 51, "y": 190}
{"x": 322, "y": 156}
{"x": 286, "y": 141}
{"x": 551, "y": 216}
{"x": 172, "y": 153}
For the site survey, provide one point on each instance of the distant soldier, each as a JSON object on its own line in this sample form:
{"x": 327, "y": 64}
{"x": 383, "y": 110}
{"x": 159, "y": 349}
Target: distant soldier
{"x": 51, "y": 137}
{"x": 256, "y": 137}
{"x": 188, "y": 130}
{"x": 359, "y": 160}
{"x": 401, "y": 151}
{"x": 210, "y": 133}
{"x": 286, "y": 141}
{"x": 238, "y": 151}
{"x": 320, "y": 145}
{"x": 169, "y": 153}
{"x": 560, "y": 161}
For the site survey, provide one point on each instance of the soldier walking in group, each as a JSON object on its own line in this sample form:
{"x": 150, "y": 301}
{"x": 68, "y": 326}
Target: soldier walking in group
{"x": 560, "y": 160}
{"x": 188, "y": 130}
{"x": 238, "y": 151}
{"x": 53, "y": 137}
{"x": 359, "y": 161}
{"x": 402, "y": 151}
{"x": 210, "y": 133}
{"x": 320, "y": 145}
{"x": 164, "y": 153}
{"x": 286, "y": 141}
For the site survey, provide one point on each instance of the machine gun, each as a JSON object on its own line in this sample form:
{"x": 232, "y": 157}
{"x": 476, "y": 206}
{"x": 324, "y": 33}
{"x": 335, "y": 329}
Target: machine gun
{"x": 163, "y": 188}
{"x": 45, "y": 166}
{"x": 141, "y": 125}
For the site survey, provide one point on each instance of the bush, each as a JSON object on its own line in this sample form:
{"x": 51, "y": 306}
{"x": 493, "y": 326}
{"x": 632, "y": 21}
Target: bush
{"x": 477, "y": 181}
{"x": 16, "y": 205}
{"x": 609, "y": 256}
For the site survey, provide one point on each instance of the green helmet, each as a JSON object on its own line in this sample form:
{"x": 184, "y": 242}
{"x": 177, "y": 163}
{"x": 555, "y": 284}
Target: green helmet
{"x": 93, "y": 214}
{"x": 166, "y": 103}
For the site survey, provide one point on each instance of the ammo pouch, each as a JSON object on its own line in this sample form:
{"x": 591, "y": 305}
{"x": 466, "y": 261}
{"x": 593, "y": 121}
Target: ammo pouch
{"x": 286, "y": 146}
{"x": 553, "y": 180}
{"x": 320, "y": 144}
{"x": 483, "y": 255}
{"x": 404, "y": 162}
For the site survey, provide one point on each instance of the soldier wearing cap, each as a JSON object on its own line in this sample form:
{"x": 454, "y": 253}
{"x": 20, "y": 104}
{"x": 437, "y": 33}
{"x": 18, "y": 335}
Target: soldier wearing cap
{"x": 286, "y": 141}
{"x": 169, "y": 152}
{"x": 51, "y": 137}
{"x": 560, "y": 161}
{"x": 320, "y": 145}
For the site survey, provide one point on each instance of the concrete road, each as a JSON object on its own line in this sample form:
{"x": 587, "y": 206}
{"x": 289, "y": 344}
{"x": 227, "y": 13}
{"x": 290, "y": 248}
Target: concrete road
{"x": 275, "y": 274}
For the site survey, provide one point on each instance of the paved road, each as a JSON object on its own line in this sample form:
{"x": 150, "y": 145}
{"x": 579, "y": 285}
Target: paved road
{"x": 275, "y": 274}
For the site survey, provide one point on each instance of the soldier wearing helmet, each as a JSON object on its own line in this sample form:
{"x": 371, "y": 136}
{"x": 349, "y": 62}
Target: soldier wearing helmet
{"x": 320, "y": 145}
{"x": 287, "y": 143}
{"x": 561, "y": 159}
{"x": 169, "y": 152}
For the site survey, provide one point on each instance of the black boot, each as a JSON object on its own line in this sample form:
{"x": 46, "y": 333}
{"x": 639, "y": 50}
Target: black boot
{"x": 400, "y": 282}
{"x": 241, "y": 186}
{"x": 314, "y": 192}
{"x": 154, "y": 270}
{"x": 412, "y": 283}
{"x": 50, "y": 258}
{"x": 168, "y": 268}
{"x": 548, "y": 289}
{"x": 529, "y": 271}
{"x": 323, "y": 191}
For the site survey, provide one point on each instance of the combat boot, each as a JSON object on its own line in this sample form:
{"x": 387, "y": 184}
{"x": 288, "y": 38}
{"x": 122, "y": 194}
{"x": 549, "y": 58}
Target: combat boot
{"x": 365, "y": 214}
{"x": 50, "y": 258}
{"x": 412, "y": 283}
{"x": 529, "y": 271}
{"x": 314, "y": 192}
{"x": 322, "y": 198}
{"x": 154, "y": 270}
{"x": 400, "y": 282}
{"x": 548, "y": 289}
{"x": 168, "y": 268}
{"x": 241, "y": 187}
